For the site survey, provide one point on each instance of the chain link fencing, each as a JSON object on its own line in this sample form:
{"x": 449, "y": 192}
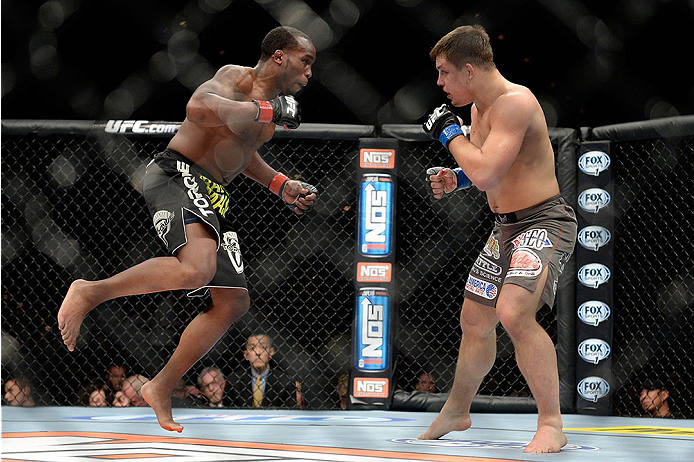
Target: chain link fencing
{"x": 654, "y": 283}
{"x": 72, "y": 207}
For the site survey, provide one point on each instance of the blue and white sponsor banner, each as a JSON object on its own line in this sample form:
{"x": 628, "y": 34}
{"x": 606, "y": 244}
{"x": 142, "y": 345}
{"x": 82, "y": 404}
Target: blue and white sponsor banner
{"x": 595, "y": 278}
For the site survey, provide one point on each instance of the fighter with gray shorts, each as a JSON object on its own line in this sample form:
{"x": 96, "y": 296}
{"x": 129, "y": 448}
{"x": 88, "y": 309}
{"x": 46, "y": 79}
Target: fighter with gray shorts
{"x": 177, "y": 193}
{"x": 521, "y": 244}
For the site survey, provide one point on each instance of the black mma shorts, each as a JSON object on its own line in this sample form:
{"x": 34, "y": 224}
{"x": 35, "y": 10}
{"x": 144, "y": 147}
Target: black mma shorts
{"x": 178, "y": 192}
{"x": 521, "y": 244}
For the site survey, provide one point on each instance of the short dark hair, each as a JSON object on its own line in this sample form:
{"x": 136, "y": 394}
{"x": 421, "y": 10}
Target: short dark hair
{"x": 280, "y": 38}
{"x": 261, "y": 334}
{"x": 465, "y": 44}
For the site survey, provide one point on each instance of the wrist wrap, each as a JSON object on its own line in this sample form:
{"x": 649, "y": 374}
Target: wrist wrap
{"x": 275, "y": 185}
{"x": 463, "y": 181}
{"x": 448, "y": 133}
{"x": 265, "y": 111}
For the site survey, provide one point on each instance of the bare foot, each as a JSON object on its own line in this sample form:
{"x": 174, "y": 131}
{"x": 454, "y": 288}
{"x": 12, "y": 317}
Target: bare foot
{"x": 446, "y": 422}
{"x": 161, "y": 405}
{"x": 547, "y": 439}
{"x": 75, "y": 307}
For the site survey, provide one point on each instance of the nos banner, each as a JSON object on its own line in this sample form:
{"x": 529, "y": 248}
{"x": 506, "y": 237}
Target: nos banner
{"x": 371, "y": 374}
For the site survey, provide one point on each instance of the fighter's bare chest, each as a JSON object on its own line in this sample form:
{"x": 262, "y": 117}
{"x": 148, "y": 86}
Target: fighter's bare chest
{"x": 479, "y": 130}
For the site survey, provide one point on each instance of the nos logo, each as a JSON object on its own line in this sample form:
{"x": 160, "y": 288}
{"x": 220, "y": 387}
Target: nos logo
{"x": 594, "y": 162}
{"x": 377, "y": 158}
{"x": 593, "y": 350}
{"x": 593, "y": 312}
{"x": 375, "y": 220}
{"x": 593, "y": 274}
{"x": 593, "y": 388}
{"x": 593, "y": 199}
{"x": 365, "y": 387}
{"x": 593, "y": 237}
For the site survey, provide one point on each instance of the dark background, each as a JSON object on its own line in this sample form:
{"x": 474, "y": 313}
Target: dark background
{"x": 590, "y": 63}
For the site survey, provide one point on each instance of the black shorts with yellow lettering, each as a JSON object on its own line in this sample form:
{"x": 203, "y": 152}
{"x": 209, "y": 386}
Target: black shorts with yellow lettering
{"x": 520, "y": 246}
{"x": 177, "y": 193}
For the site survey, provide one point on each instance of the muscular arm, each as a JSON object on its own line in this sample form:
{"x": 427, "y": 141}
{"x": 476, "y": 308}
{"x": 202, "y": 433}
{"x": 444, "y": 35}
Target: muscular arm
{"x": 487, "y": 165}
{"x": 259, "y": 170}
{"x": 213, "y": 103}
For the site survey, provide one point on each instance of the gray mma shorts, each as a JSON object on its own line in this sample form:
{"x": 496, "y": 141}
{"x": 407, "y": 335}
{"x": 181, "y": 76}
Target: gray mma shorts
{"x": 520, "y": 246}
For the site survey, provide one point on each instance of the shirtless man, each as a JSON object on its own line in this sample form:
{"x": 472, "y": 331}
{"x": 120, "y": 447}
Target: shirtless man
{"x": 227, "y": 119}
{"x": 510, "y": 157}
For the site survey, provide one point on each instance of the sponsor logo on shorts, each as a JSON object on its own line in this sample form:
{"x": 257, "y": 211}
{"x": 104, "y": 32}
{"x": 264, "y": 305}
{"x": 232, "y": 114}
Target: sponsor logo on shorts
{"x": 377, "y": 158}
{"x": 491, "y": 248}
{"x": 593, "y": 312}
{"x": 594, "y": 162}
{"x": 532, "y": 239}
{"x": 593, "y": 199}
{"x": 481, "y": 288}
{"x": 524, "y": 263}
{"x": 593, "y": 237}
{"x": 374, "y": 272}
{"x": 593, "y": 388}
{"x": 593, "y": 350}
{"x": 198, "y": 199}
{"x": 219, "y": 196}
{"x": 230, "y": 243}
{"x": 162, "y": 223}
{"x": 485, "y": 275}
{"x": 593, "y": 274}
{"x": 370, "y": 387}
{"x": 488, "y": 266}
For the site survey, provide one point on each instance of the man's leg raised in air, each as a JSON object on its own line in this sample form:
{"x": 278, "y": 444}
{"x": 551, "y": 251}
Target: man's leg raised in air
{"x": 193, "y": 266}
{"x": 537, "y": 361}
{"x": 201, "y": 334}
{"x": 475, "y": 360}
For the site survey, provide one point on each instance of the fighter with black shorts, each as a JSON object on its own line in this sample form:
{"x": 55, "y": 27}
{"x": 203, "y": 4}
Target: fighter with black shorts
{"x": 228, "y": 118}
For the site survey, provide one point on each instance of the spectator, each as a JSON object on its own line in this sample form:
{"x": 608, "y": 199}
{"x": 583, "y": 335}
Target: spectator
{"x": 98, "y": 397}
{"x": 261, "y": 387}
{"x": 656, "y": 401}
{"x": 120, "y": 400}
{"x": 426, "y": 383}
{"x": 131, "y": 392}
{"x": 185, "y": 395}
{"x": 19, "y": 392}
{"x": 114, "y": 375}
{"x": 212, "y": 384}
{"x": 95, "y": 394}
{"x": 342, "y": 389}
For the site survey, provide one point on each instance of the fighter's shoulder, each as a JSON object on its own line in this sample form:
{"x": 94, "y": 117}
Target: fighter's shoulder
{"x": 517, "y": 97}
{"x": 236, "y": 80}
{"x": 233, "y": 73}
{"x": 517, "y": 103}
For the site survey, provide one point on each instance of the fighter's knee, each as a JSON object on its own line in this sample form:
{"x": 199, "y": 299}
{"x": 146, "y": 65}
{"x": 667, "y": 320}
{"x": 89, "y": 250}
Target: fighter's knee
{"x": 233, "y": 303}
{"x": 512, "y": 319}
{"x": 195, "y": 276}
{"x": 241, "y": 304}
{"x": 478, "y": 320}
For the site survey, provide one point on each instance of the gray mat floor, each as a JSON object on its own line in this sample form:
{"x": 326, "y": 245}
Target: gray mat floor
{"x": 78, "y": 434}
